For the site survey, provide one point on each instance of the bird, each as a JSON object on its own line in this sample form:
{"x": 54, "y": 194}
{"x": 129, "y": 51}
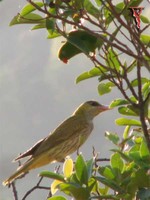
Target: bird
{"x": 63, "y": 141}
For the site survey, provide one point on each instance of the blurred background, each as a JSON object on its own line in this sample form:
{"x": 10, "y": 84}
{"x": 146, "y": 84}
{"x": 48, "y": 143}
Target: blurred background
{"x": 37, "y": 93}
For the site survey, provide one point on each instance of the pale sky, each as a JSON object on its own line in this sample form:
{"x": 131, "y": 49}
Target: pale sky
{"x": 37, "y": 93}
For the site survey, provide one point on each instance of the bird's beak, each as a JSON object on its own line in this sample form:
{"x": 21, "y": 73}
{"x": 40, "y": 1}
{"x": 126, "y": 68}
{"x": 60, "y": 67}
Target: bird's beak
{"x": 103, "y": 108}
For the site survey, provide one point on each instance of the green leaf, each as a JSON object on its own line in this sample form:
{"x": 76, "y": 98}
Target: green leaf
{"x": 144, "y": 19}
{"x": 104, "y": 88}
{"x": 135, "y": 82}
{"x": 126, "y": 132}
{"x": 52, "y": 175}
{"x": 89, "y": 166}
{"x": 113, "y": 137}
{"x": 30, "y": 18}
{"x": 28, "y": 8}
{"x": 39, "y": 26}
{"x": 75, "y": 190}
{"x": 145, "y": 39}
{"x": 91, "y": 9}
{"x": 127, "y": 122}
{"x": 96, "y": 71}
{"x": 57, "y": 198}
{"x": 117, "y": 162}
{"x": 146, "y": 89}
{"x": 128, "y": 110}
{"x": 112, "y": 59}
{"x": 118, "y": 102}
{"x": 106, "y": 172}
{"x": 144, "y": 152}
{"x": 110, "y": 183}
{"x": 81, "y": 170}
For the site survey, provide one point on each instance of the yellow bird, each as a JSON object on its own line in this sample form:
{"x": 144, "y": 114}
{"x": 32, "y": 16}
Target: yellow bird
{"x": 64, "y": 140}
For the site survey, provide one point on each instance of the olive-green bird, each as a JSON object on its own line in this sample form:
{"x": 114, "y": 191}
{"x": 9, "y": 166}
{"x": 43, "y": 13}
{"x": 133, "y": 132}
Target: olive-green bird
{"x": 64, "y": 140}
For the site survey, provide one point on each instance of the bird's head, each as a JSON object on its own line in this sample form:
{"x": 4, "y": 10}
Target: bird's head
{"x": 90, "y": 109}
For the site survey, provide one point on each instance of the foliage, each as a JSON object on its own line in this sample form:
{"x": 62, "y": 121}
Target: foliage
{"x": 119, "y": 55}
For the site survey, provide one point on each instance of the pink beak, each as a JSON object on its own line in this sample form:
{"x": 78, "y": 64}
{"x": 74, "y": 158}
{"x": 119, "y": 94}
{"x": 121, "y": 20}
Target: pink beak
{"x": 103, "y": 108}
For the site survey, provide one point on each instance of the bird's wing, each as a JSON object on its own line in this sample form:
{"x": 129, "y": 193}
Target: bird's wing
{"x": 30, "y": 151}
{"x": 70, "y": 128}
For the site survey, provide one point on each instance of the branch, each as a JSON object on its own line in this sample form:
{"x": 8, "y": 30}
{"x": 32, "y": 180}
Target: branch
{"x": 37, "y": 186}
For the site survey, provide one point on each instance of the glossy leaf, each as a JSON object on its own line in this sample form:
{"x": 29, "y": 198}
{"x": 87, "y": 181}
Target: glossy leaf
{"x": 94, "y": 72}
{"x": 117, "y": 162}
{"x": 106, "y": 172}
{"x": 78, "y": 192}
{"x": 112, "y": 59}
{"x": 110, "y": 183}
{"x": 113, "y": 137}
{"x": 57, "y": 198}
{"x": 52, "y": 175}
{"x": 135, "y": 82}
{"x": 146, "y": 89}
{"x": 127, "y": 122}
{"x": 144, "y": 19}
{"x": 118, "y": 102}
{"x": 89, "y": 166}
{"x": 30, "y": 18}
{"x": 91, "y": 9}
{"x": 126, "y": 132}
{"x": 81, "y": 170}
{"x": 28, "y": 8}
{"x": 144, "y": 152}
{"x": 128, "y": 110}
{"x": 104, "y": 88}
{"x": 145, "y": 39}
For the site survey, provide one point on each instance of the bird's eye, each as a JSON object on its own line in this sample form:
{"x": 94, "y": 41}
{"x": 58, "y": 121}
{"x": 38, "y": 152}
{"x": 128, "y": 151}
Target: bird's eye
{"x": 94, "y": 103}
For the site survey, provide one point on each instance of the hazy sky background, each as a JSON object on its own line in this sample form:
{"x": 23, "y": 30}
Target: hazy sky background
{"x": 37, "y": 93}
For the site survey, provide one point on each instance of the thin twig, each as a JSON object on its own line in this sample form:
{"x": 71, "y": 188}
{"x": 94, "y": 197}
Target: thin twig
{"x": 37, "y": 186}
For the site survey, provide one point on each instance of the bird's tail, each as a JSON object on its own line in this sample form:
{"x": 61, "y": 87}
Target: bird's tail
{"x": 20, "y": 171}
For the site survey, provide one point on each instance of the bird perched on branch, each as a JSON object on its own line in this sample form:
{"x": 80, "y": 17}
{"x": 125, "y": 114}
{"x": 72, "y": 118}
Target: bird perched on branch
{"x": 64, "y": 140}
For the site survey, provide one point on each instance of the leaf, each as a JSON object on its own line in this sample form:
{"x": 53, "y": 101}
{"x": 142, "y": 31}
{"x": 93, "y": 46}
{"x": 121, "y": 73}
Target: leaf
{"x": 145, "y": 39}
{"x": 52, "y": 175}
{"x": 146, "y": 89}
{"x": 144, "y": 19}
{"x": 75, "y": 190}
{"x": 89, "y": 166}
{"x": 118, "y": 102}
{"x": 104, "y": 88}
{"x": 29, "y": 19}
{"x": 127, "y": 122}
{"x": 117, "y": 162}
{"x": 128, "y": 110}
{"x": 68, "y": 167}
{"x": 126, "y": 132}
{"x": 94, "y": 72}
{"x": 57, "y": 198}
{"x": 113, "y": 137}
{"x": 135, "y": 82}
{"x": 28, "y": 8}
{"x": 81, "y": 170}
{"x": 54, "y": 186}
{"x": 144, "y": 152}
{"x": 112, "y": 59}
{"x": 110, "y": 183}
{"x": 91, "y": 9}
{"x": 106, "y": 172}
